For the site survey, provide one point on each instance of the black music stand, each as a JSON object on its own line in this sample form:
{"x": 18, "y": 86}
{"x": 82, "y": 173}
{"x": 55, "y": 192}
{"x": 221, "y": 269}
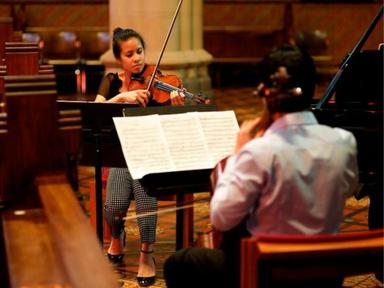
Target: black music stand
{"x": 177, "y": 183}
{"x": 101, "y": 146}
{"x": 104, "y": 149}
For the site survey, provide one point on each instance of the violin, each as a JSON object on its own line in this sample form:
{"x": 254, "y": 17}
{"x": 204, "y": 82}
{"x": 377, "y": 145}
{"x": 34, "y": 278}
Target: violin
{"x": 162, "y": 86}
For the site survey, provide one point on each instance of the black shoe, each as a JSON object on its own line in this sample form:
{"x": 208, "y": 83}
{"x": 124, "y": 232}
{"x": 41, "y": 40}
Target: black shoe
{"x": 115, "y": 259}
{"x": 146, "y": 281}
{"x": 118, "y": 258}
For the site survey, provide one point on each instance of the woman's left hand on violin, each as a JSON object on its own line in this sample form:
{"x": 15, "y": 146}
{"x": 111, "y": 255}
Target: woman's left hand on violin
{"x": 177, "y": 98}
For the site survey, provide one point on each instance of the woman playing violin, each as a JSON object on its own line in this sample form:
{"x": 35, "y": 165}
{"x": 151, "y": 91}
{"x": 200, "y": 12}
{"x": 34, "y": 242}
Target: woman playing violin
{"x": 122, "y": 87}
{"x": 129, "y": 50}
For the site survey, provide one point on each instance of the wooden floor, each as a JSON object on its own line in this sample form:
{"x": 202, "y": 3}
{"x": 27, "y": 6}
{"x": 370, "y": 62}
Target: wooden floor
{"x": 245, "y": 106}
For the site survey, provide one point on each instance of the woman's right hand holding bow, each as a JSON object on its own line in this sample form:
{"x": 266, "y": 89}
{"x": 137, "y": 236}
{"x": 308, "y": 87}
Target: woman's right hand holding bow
{"x": 140, "y": 96}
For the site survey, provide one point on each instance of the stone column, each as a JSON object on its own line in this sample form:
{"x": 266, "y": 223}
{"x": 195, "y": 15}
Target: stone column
{"x": 184, "y": 54}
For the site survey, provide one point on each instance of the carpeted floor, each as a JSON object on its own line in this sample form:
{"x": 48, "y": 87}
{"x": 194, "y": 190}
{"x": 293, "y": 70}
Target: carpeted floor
{"x": 355, "y": 219}
{"x": 245, "y": 106}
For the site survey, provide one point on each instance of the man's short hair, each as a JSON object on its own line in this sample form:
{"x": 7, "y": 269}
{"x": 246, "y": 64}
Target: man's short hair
{"x": 302, "y": 74}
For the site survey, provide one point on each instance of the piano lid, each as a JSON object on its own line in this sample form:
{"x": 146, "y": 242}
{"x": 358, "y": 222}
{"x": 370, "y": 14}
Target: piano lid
{"x": 351, "y": 58}
{"x": 361, "y": 84}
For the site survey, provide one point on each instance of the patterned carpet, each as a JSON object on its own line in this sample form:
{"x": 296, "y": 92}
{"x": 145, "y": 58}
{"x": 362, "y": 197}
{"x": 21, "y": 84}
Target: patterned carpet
{"x": 245, "y": 106}
{"x": 355, "y": 214}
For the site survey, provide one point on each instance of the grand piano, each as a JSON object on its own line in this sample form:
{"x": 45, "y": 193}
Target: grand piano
{"x": 354, "y": 101}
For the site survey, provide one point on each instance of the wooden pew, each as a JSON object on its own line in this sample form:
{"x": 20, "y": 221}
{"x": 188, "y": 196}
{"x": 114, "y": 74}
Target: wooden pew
{"x": 293, "y": 260}
{"x": 38, "y": 252}
{"x": 46, "y": 69}
{"x": 31, "y": 117}
{"x": 54, "y": 244}
{"x": 3, "y": 72}
{"x": 40, "y": 216}
{"x": 69, "y": 222}
{"x": 21, "y": 76}
{"x": 6, "y": 34}
{"x": 22, "y": 58}
{"x": 41, "y": 220}
{"x": 3, "y": 137}
{"x": 27, "y": 98}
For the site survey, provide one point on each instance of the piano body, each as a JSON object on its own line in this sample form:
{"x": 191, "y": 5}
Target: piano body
{"x": 357, "y": 106}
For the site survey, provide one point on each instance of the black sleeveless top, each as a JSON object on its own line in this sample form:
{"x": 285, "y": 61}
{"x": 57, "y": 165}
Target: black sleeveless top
{"x": 110, "y": 85}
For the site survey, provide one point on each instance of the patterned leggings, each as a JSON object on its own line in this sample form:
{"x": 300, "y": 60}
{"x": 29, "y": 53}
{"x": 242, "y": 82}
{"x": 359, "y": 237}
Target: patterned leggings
{"x": 120, "y": 186}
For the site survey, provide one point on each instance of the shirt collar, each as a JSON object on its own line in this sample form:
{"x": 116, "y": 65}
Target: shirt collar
{"x": 292, "y": 119}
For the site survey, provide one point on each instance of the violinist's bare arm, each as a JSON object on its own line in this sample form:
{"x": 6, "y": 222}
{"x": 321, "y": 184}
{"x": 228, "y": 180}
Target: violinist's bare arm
{"x": 177, "y": 98}
{"x": 140, "y": 96}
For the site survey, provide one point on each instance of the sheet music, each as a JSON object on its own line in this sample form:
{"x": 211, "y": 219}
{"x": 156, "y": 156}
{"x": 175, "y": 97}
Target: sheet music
{"x": 220, "y": 129}
{"x": 144, "y": 146}
{"x": 186, "y": 141}
{"x": 176, "y": 142}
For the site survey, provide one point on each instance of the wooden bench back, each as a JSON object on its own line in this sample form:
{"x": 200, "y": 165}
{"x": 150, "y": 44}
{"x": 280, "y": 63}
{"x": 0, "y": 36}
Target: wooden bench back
{"x": 6, "y": 34}
{"x": 270, "y": 261}
{"x": 22, "y": 58}
{"x": 54, "y": 245}
{"x": 32, "y": 143}
{"x": 38, "y": 253}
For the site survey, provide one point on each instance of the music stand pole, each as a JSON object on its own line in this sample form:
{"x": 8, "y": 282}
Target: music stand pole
{"x": 98, "y": 188}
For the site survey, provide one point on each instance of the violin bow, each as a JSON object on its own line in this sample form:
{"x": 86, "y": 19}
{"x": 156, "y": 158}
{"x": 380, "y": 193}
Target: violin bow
{"x": 164, "y": 45}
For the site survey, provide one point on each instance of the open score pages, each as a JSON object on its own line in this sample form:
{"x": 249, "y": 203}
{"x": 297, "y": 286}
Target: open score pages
{"x": 176, "y": 142}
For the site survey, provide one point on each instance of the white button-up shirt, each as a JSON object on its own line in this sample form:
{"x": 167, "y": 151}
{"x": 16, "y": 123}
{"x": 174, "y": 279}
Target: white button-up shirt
{"x": 293, "y": 180}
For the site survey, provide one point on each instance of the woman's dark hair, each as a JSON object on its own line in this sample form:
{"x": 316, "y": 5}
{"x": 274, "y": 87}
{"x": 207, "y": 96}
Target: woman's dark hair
{"x": 120, "y": 35}
{"x": 302, "y": 73}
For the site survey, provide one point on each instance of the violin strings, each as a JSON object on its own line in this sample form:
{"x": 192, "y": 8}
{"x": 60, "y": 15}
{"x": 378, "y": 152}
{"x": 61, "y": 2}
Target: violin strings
{"x": 164, "y": 86}
{"x": 169, "y": 88}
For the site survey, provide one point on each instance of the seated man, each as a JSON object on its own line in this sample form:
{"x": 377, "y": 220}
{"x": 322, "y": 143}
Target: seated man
{"x": 288, "y": 175}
